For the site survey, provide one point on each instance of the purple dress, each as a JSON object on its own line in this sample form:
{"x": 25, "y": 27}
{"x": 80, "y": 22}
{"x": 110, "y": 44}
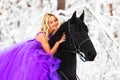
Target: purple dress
{"x": 28, "y": 61}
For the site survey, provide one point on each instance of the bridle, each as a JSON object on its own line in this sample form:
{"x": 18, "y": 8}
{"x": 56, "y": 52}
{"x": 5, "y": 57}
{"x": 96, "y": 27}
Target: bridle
{"x": 77, "y": 49}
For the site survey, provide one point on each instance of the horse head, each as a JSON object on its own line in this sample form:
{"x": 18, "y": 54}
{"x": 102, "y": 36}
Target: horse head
{"x": 78, "y": 38}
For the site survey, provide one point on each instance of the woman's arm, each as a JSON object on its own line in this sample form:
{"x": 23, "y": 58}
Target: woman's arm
{"x": 45, "y": 44}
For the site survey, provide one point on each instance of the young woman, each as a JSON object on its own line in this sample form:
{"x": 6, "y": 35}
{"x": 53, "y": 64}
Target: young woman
{"x": 33, "y": 59}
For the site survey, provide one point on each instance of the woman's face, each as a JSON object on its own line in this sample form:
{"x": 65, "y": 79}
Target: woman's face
{"x": 53, "y": 23}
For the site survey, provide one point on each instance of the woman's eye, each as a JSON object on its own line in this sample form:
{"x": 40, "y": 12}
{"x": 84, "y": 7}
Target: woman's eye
{"x": 55, "y": 20}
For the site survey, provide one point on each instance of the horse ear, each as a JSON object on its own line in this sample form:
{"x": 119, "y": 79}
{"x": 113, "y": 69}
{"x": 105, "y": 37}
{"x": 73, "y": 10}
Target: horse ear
{"x": 82, "y": 16}
{"x": 73, "y": 18}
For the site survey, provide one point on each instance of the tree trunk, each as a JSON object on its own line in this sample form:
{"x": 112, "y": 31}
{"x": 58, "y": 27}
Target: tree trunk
{"x": 61, "y": 4}
{"x": 111, "y": 9}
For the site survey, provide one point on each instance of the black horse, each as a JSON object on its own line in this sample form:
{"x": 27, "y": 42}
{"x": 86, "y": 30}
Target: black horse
{"x": 77, "y": 41}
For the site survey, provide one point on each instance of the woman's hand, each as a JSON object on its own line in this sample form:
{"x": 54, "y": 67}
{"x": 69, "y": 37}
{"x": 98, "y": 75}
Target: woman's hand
{"x": 62, "y": 38}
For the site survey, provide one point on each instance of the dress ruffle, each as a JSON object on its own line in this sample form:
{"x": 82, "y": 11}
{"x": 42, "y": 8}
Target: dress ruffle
{"x": 28, "y": 61}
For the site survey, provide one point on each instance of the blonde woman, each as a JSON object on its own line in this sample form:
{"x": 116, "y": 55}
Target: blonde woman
{"x": 33, "y": 59}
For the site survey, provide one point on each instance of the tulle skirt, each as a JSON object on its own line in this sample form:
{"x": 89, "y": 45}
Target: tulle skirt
{"x": 28, "y": 61}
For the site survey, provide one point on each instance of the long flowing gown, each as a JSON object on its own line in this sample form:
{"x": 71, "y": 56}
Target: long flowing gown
{"x": 28, "y": 61}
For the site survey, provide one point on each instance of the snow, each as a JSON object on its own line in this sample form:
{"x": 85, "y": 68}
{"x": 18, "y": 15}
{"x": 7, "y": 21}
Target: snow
{"x": 21, "y": 20}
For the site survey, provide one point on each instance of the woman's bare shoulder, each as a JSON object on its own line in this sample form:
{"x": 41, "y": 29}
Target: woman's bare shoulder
{"x": 40, "y": 36}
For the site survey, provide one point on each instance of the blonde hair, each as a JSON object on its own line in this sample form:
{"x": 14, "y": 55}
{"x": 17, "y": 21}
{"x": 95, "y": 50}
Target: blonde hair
{"x": 45, "y": 26}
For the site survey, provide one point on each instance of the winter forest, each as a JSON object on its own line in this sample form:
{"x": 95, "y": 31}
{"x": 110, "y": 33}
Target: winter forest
{"x": 21, "y": 19}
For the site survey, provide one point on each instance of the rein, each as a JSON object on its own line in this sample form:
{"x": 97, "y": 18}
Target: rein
{"x": 77, "y": 50}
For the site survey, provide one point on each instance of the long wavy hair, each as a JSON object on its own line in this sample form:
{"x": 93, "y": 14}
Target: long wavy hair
{"x": 45, "y": 26}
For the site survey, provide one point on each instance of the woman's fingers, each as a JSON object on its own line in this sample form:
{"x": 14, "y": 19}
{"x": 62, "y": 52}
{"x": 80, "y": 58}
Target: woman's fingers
{"x": 63, "y": 38}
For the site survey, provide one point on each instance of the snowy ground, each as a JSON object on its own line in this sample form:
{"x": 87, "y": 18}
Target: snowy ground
{"x": 18, "y": 18}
